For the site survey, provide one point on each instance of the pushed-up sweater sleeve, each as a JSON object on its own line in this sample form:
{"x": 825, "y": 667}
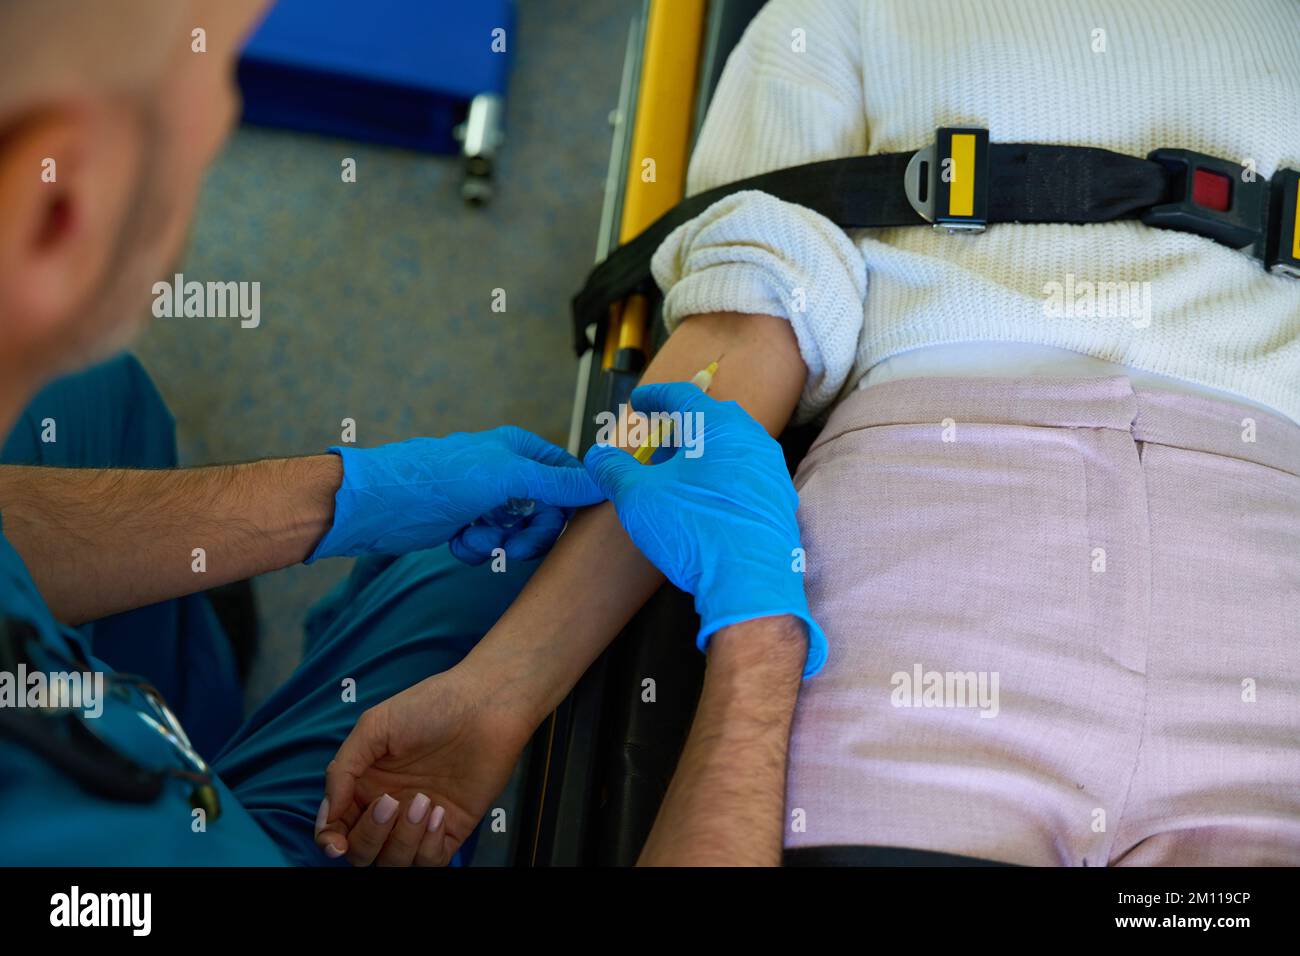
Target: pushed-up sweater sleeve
{"x": 791, "y": 93}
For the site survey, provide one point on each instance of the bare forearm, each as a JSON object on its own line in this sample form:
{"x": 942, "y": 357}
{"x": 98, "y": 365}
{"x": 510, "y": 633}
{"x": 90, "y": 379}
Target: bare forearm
{"x": 544, "y": 642}
{"x": 725, "y": 806}
{"x": 102, "y": 541}
{"x": 590, "y": 585}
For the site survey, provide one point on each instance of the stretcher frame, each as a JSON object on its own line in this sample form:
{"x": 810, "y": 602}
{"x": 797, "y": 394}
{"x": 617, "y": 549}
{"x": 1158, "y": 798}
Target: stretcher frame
{"x": 599, "y": 766}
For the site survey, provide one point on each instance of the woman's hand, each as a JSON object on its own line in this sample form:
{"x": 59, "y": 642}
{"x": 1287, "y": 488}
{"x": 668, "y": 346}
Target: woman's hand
{"x": 418, "y": 772}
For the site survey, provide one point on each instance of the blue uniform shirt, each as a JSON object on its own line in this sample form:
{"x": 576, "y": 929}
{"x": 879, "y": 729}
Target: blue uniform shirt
{"x": 47, "y": 819}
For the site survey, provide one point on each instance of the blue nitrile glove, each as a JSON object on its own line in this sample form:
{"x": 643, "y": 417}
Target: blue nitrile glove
{"x": 721, "y": 526}
{"x": 425, "y": 492}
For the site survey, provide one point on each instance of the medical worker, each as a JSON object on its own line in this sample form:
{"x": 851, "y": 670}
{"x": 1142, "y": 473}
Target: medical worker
{"x": 121, "y": 736}
{"x": 101, "y": 563}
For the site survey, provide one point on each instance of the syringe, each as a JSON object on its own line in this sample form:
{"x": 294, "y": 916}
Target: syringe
{"x": 702, "y": 379}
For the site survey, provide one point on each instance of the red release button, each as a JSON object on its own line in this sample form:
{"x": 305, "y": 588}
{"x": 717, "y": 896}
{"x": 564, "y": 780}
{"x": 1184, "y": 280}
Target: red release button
{"x": 1211, "y": 190}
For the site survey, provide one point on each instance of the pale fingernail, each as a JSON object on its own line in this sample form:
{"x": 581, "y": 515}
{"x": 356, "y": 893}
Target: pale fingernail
{"x": 435, "y": 819}
{"x": 418, "y": 808}
{"x": 332, "y": 851}
{"x": 385, "y": 809}
{"x": 322, "y": 814}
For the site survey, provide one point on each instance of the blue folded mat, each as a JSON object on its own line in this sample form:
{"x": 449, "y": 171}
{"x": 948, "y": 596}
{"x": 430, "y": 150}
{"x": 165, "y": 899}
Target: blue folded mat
{"x": 391, "y": 71}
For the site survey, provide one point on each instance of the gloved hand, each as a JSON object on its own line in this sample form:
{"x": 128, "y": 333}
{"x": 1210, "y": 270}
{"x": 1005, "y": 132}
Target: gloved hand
{"x": 720, "y": 526}
{"x": 425, "y": 492}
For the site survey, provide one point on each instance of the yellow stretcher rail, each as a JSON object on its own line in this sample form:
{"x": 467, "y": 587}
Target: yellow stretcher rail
{"x": 661, "y": 141}
{"x": 661, "y": 132}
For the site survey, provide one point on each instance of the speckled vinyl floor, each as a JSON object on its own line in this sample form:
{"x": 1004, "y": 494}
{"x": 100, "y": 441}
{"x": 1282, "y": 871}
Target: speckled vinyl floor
{"x": 376, "y": 297}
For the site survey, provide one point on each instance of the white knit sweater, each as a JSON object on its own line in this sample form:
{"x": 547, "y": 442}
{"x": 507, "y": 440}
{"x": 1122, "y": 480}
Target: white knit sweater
{"x": 877, "y": 76}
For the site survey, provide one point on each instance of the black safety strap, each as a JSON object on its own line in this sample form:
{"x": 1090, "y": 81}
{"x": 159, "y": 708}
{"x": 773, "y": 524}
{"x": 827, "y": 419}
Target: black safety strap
{"x": 859, "y": 856}
{"x": 1026, "y": 183}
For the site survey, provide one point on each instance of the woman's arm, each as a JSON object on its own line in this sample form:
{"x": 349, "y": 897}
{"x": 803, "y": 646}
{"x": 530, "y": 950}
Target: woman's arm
{"x": 595, "y": 579}
{"x": 814, "y": 98}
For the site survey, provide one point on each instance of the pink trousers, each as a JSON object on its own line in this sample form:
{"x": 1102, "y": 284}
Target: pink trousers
{"x": 1064, "y": 625}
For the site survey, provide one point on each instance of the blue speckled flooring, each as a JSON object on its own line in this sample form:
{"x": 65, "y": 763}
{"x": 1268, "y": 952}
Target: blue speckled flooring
{"x": 376, "y": 296}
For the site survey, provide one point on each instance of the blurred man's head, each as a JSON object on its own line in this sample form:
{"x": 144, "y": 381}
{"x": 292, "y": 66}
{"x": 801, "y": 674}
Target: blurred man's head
{"x": 108, "y": 118}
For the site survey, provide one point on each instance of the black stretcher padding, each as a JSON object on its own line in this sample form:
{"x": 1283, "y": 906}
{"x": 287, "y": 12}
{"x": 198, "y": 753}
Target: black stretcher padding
{"x": 1028, "y": 183}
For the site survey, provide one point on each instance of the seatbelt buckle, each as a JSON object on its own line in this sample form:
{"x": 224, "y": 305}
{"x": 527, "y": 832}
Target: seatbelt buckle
{"x": 1211, "y": 197}
{"x": 947, "y": 182}
{"x": 1282, "y": 245}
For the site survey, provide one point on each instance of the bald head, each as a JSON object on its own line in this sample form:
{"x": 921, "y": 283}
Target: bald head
{"x": 108, "y": 119}
{"x": 53, "y": 50}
